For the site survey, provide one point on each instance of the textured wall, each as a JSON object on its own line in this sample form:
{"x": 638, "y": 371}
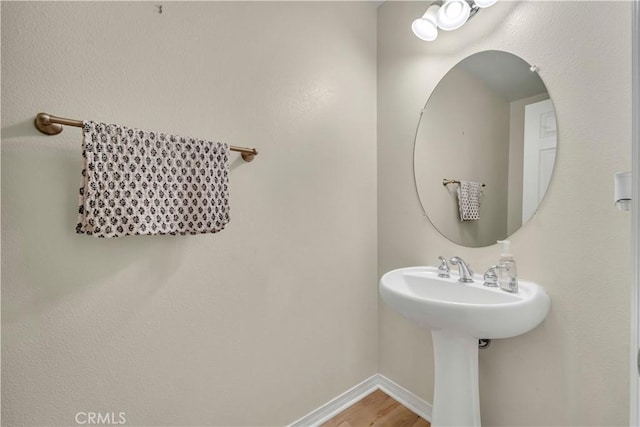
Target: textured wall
{"x": 256, "y": 325}
{"x": 573, "y": 369}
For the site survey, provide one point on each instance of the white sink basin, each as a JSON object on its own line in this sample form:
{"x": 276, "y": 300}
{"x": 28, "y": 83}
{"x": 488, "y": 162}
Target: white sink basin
{"x": 470, "y": 308}
{"x": 458, "y": 314}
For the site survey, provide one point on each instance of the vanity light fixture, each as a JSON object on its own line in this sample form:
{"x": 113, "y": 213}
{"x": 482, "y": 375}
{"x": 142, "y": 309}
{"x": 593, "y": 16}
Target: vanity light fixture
{"x": 426, "y": 28}
{"x": 484, "y": 3}
{"x": 453, "y": 14}
{"x": 447, "y": 15}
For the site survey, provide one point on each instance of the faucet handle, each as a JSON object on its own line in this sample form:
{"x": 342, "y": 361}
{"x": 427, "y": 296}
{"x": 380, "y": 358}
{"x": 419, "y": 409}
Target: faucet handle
{"x": 491, "y": 277}
{"x": 443, "y": 270}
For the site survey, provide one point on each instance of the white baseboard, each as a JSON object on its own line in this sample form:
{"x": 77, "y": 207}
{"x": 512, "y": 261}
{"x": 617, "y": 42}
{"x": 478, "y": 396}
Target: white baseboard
{"x": 338, "y": 404}
{"x": 376, "y": 382}
{"x": 408, "y": 399}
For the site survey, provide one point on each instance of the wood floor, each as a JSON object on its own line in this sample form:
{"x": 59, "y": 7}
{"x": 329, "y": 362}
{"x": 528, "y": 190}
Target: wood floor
{"x": 379, "y": 410}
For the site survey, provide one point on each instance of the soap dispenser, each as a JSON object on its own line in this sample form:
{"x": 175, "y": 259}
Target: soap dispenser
{"x": 507, "y": 271}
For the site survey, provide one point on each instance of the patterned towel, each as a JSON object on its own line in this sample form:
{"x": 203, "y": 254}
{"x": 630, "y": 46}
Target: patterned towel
{"x": 137, "y": 182}
{"x": 469, "y": 196}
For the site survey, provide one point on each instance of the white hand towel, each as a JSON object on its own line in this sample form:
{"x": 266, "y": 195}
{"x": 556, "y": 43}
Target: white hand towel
{"x": 138, "y": 182}
{"x": 469, "y": 196}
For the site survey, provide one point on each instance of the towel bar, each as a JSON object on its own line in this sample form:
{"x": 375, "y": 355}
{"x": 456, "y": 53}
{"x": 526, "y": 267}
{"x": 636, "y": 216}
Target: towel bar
{"x": 52, "y": 125}
{"x": 446, "y": 182}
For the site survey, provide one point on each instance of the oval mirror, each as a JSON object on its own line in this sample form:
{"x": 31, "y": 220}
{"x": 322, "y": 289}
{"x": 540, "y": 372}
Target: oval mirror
{"x": 485, "y": 148}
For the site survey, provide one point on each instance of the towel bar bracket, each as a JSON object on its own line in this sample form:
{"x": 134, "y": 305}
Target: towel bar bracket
{"x": 52, "y": 125}
{"x": 43, "y": 124}
{"x": 247, "y": 157}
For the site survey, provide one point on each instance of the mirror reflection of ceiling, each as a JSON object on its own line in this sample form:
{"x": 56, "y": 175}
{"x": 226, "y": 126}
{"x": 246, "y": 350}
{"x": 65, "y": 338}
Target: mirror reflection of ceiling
{"x": 514, "y": 81}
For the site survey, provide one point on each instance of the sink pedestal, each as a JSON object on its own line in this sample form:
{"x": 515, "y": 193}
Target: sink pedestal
{"x": 456, "y": 395}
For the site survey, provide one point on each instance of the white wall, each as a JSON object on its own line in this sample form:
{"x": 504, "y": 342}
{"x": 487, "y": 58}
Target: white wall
{"x": 572, "y": 369}
{"x": 256, "y": 325}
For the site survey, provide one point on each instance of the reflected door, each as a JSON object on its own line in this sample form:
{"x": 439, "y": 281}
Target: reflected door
{"x": 540, "y": 141}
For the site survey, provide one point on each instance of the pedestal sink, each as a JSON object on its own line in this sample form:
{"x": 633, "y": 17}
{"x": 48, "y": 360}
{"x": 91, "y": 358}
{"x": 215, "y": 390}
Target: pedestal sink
{"x": 458, "y": 314}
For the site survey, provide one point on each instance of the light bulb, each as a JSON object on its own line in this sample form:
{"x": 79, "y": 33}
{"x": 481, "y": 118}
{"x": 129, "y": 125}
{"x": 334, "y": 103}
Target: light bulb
{"x": 453, "y": 14}
{"x": 425, "y": 28}
{"x": 484, "y": 3}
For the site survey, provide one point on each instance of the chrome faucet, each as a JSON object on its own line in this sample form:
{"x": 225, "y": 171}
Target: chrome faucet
{"x": 443, "y": 270}
{"x": 466, "y": 274}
